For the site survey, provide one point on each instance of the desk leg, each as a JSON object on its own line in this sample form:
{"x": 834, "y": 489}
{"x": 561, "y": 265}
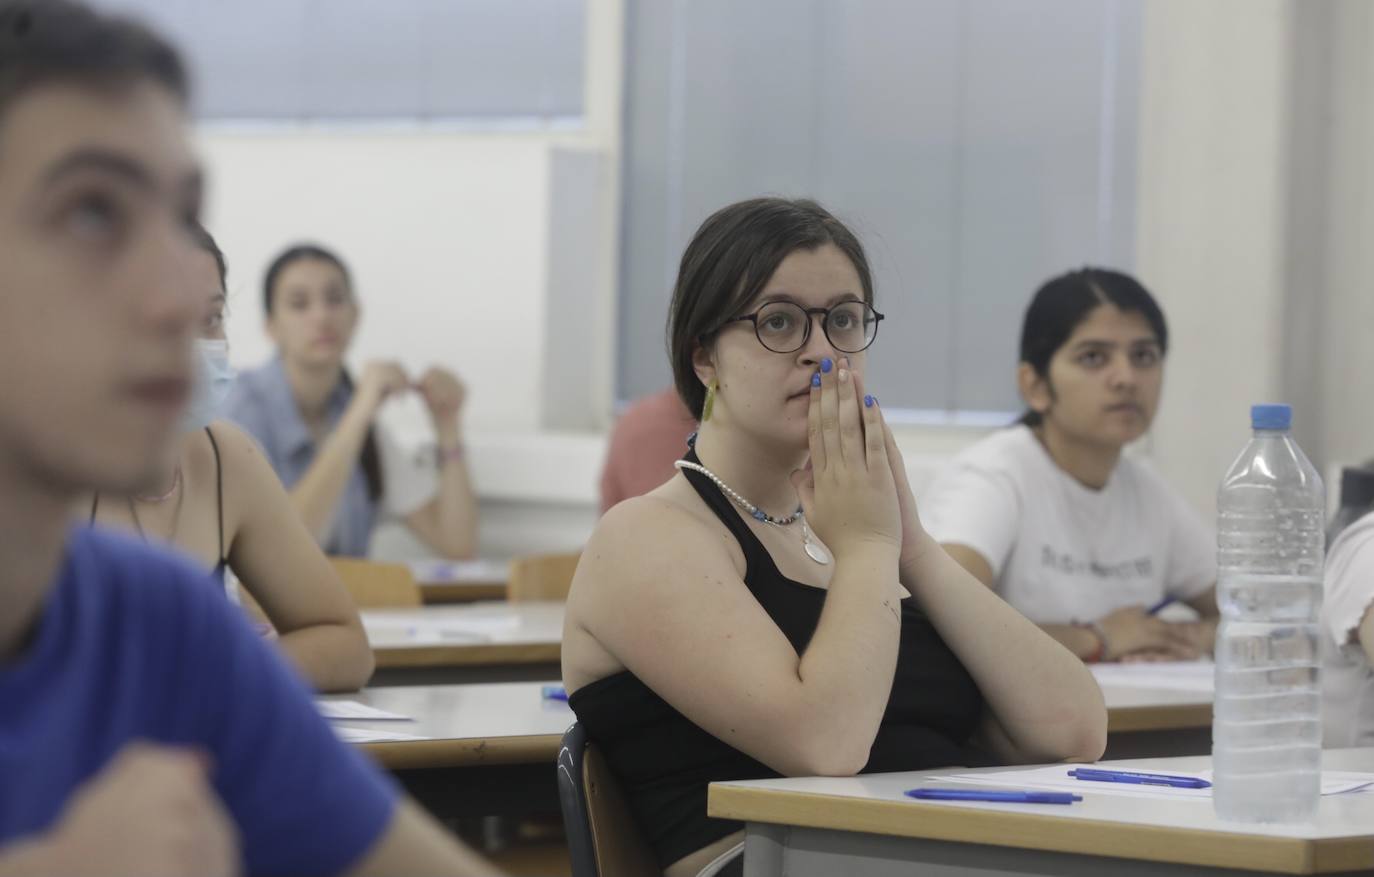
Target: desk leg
{"x": 763, "y": 848}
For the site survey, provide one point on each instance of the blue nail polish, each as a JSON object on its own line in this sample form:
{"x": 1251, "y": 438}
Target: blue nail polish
{"x": 827, "y": 365}
{"x": 816, "y": 379}
{"x": 868, "y": 401}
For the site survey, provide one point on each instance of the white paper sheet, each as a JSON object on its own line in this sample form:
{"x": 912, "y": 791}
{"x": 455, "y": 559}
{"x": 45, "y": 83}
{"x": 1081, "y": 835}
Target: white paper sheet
{"x": 1174, "y": 675}
{"x": 351, "y": 709}
{"x": 368, "y": 735}
{"x": 1334, "y": 782}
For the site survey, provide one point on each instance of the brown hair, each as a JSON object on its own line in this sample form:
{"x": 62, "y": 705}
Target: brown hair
{"x": 43, "y": 41}
{"x": 729, "y": 261}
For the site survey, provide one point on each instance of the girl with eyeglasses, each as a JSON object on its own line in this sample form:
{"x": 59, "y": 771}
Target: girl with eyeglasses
{"x": 1085, "y": 541}
{"x": 776, "y": 608}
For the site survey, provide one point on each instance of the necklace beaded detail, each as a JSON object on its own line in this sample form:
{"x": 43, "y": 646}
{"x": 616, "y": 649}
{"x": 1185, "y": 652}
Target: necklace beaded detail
{"x": 754, "y": 511}
{"x": 814, "y": 550}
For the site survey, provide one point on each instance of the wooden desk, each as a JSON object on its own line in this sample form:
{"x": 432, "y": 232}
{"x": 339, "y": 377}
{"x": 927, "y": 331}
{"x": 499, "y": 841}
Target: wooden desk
{"x": 491, "y": 750}
{"x": 478, "y": 642}
{"x": 1155, "y": 721}
{"x": 466, "y": 581}
{"x": 866, "y": 827}
{"x": 465, "y": 725}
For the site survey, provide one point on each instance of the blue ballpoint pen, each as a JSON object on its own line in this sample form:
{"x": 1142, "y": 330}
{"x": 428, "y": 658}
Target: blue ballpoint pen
{"x": 994, "y": 796}
{"x": 1140, "y": 779}
{"x": 1155, "y": 609}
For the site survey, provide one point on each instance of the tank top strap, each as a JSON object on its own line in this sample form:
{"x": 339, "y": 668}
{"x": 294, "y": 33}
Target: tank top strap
{"x": 219, "y": 501}
{"x": 756, "y": 557}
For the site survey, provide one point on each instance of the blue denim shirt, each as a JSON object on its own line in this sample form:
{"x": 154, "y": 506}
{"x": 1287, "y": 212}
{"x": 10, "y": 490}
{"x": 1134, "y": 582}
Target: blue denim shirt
{"x": 261, "y": 402}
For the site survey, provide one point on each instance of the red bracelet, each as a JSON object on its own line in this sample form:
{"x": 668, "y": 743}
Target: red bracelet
{"x": 1100, "y": 651}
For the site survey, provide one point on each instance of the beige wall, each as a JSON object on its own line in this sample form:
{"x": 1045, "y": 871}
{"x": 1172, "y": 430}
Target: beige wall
{"x": 1211, "y": 220}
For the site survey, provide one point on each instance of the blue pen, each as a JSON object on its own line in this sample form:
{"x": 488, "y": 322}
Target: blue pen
{"x": 554, "y": 692}
{"x": 1158, "y": 607}
{"x": 1140, "y": 779}
{"x": 993, "y": 795}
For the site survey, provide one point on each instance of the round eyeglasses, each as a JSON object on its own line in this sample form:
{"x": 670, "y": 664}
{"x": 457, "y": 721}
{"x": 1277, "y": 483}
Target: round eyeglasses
{"x": 784, "y": 327}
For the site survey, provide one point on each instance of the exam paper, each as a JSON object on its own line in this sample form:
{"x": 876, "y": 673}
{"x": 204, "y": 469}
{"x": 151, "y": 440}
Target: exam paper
{"x": 351, "y": 709}
{"x": 1175, "y": 675}
{"x": 367, "y": 735}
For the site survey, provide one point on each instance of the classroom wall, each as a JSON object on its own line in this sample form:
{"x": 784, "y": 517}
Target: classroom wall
{"x": 1212, "y": 222}
{"x": 1256, "y": 215}
{"x": 1253, "y": 209}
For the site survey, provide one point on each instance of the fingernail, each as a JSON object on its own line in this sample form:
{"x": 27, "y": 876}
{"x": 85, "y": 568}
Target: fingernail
{"x": 827, "y": 365}
{"x": 844, "y": 376}
{"x": 868, "y": 401}
{"x": 816, "y": 379}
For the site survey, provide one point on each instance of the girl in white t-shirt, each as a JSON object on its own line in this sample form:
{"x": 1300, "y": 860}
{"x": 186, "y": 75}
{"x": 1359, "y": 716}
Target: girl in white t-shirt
{"x": 1348, "y": 638}
{"x": 1085, "y": 542}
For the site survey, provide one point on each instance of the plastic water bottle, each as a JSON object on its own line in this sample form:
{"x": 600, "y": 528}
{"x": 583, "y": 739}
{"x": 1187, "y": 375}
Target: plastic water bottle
{"x": 1266, "y": 729}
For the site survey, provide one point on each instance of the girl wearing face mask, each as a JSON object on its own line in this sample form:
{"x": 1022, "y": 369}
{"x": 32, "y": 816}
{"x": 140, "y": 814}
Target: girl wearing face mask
{"x": 220, "y": 502}
{"x": 776, "y": 607}
{"x": 318, "y": 427}
{"x": 1083, "y": 540}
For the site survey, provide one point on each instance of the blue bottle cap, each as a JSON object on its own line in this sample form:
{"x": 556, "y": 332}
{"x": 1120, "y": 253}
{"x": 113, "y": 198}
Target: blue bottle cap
{"x": 1271, "y": 417}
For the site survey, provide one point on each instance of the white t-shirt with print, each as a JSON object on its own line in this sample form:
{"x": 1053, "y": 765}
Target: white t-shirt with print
{"x": 1061, "y": 552}
{"x": 1347, "y": 679}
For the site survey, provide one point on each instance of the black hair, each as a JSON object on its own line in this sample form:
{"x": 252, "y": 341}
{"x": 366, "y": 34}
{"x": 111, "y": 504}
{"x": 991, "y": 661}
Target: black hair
{"x": 729, "y": 261}
{"x": 370, "y": 458}
{"x": 206, "y": 241}
{"x": 46, "y": 41}
{"x": 290, "y": 256}
{"x": 1064, "y": 302}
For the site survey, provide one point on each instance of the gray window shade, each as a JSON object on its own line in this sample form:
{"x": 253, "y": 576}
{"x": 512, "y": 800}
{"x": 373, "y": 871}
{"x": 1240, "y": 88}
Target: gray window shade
{"x": 378, "y": 59}
{"x": 976, "y": 146}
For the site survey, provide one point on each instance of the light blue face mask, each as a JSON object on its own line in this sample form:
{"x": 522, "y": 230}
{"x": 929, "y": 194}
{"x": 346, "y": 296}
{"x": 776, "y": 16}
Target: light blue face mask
{"x": 214, "y": 377}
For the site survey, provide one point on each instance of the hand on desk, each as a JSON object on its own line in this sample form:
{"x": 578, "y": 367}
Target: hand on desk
{"x": 1200, "y": 636}
{"x": 1133, "y": 631}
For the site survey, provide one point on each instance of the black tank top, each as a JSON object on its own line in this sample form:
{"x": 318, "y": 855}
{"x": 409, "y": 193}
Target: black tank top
{"x": 223, "y": 565}
{"x": 664, "y": 762}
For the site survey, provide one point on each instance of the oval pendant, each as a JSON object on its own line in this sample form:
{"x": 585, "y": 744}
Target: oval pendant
{"x": 816, "y": 552}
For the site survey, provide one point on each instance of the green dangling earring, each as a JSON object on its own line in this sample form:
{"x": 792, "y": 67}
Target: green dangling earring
{"x": 710, "y": 400}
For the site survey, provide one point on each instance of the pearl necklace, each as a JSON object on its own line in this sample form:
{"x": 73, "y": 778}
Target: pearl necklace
{"x": 814, "y": 550}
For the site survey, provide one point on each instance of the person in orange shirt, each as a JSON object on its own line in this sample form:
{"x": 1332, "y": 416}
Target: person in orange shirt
{"x": 647, "y": 439}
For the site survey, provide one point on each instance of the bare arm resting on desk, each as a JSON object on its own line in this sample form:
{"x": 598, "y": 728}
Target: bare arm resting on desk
{"x": 279, "y": 563}
{"x": 1128, "y": 631}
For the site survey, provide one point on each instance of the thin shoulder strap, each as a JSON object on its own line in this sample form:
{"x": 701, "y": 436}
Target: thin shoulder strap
{"x": 219, "y": 489}
{"x": 755, "y": 555}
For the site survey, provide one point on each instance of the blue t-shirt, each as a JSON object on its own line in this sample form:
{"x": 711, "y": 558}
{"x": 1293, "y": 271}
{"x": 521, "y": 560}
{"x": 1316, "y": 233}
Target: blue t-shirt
{"x": 137, "y": 644}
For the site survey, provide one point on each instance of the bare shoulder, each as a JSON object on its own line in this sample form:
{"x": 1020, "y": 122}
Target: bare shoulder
{"x": 236, "y": 447}
{"x": 250, "y": 483}
{"x": 644, "y": 566}
{"x": 643, "y": 545}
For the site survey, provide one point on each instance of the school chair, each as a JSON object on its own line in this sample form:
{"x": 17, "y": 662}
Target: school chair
{"x": 603, "y": 839}
{"x": 541, "y": 577}
{"x": 377, "y": 585}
